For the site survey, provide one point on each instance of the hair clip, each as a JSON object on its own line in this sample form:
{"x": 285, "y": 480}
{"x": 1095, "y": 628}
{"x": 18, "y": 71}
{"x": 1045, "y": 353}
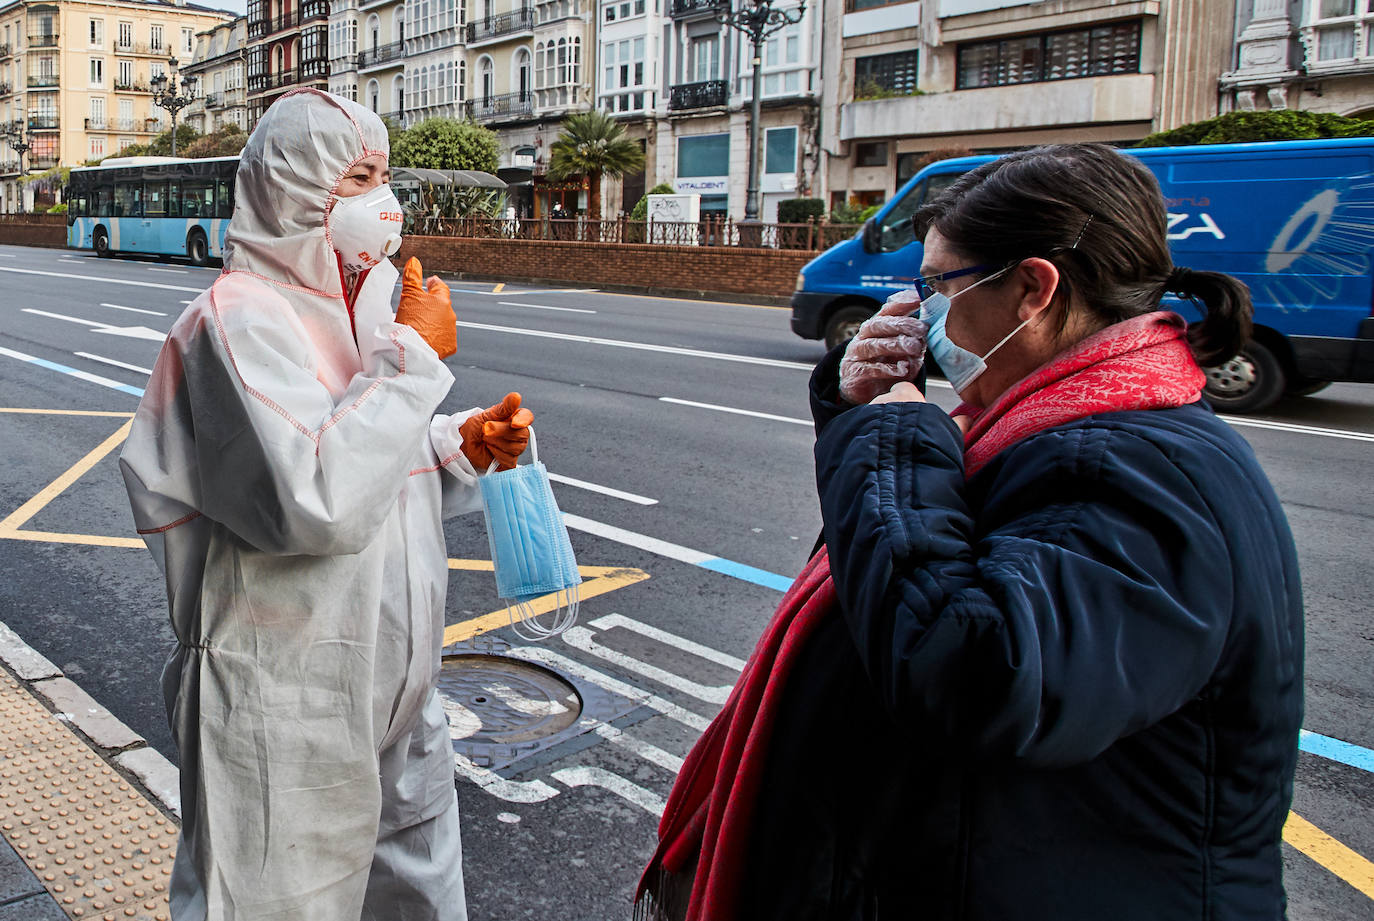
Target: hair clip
{"x": 1079, "y": 238}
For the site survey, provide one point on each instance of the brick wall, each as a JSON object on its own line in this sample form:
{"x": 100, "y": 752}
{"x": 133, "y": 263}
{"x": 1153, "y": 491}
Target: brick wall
{"x": 34, "y": 229}
{"x": 696, "y": 270}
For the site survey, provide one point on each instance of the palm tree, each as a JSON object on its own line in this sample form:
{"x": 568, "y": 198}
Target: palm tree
{"x": 593, "y": 144}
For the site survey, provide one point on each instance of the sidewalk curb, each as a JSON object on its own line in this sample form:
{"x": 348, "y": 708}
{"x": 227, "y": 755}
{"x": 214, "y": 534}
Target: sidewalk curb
{"x": 115, "y": 742}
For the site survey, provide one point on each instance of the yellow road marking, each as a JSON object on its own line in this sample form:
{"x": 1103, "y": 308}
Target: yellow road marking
{"x": 1354, "y": 868}
{"x": 57, "y": 486}
{"x": 64, "y": 412}
{"x": 500, "y": 286}
{"x": 598, "y": 580}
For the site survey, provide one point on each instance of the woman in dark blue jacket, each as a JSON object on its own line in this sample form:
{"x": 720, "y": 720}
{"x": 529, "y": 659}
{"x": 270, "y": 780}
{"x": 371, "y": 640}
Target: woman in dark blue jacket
{"x": 1061, "y": 673}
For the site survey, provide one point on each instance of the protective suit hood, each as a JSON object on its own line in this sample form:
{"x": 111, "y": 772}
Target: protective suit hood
{"x": 289, "y": 173}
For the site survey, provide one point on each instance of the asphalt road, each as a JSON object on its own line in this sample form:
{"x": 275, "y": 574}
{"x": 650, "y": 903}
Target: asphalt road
{"x": 679, "y": 434}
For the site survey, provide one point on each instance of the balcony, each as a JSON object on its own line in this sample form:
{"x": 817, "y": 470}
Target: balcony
{"x": 699, "y": 95}
{"x": 43, "y": 40}
{"x": 129, "y": 124}
{"x": 507, "y": 24}
{"x": 45, "y": 122}
{"x": 266, "y": 83}
{"x": 375, "y": 57}
{"x": 683, "y": 9}
{"x": 4, "y": 50}
{"x": 314, "y": 9}
{"x": 6, "y": 89}
{"x": 344, "y": 63}
{"x": 143, "y": 48}
{"x": 97, "y": 124}
{"x": 42, "y": 162}
{"x": 131, "y": 87}
{"x": 43, "y": 81}
{"x": 501, "y": 108}
{"x": 1103, "y": 101}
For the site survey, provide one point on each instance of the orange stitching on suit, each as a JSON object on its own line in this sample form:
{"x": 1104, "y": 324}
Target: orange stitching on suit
{"x": 168, "y": 527}
{"x": 282, "y": 284}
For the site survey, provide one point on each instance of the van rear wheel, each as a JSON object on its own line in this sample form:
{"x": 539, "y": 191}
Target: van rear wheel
{"x": 845, "y": 323}
{"x": 1251, "y": 381}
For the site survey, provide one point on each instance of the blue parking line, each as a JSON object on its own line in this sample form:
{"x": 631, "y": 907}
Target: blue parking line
{"x": 747, "y": 573}
{"x": 1335, "y": 750}
{"x": 74, "y": 372}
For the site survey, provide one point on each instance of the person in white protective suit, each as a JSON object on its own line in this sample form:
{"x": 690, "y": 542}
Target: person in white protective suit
{"x": 288, "y": 472}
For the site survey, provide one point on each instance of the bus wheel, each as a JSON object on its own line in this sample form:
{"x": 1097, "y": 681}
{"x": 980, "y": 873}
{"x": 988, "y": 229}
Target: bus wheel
{"x": 197, "y": 249}
{"x": 1247, "y": 383}
{"x": 845, "y": 324}
{"x": 101, "y": 242}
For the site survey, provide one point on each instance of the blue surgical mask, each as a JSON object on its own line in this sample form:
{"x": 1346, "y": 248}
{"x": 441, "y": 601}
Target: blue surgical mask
{"x": 530, "y": 549}
{"x": 961, "y": 366}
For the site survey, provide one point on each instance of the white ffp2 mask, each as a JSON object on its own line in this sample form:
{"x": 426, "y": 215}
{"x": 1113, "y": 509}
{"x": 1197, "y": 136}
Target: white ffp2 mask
{"x": 365, "y": 228}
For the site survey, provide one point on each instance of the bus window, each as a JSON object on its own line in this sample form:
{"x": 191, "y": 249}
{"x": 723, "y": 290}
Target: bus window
{"x": 197, "y": 198}
{"x": 76, "y": 203}
{"x": 173, "y": 200}
{"x": 225, "y": 201}
{"x": 155, "y": 199}
{"x": 128, "y": 199}
{"x": 99, "y": 201}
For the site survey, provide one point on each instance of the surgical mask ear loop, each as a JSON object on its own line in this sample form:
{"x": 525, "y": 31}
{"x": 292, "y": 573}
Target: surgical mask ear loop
{"x": 527, "y": 625}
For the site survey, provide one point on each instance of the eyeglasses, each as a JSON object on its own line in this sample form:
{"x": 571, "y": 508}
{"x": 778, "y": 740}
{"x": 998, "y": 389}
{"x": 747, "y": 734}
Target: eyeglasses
{"x": 924, "y": 289}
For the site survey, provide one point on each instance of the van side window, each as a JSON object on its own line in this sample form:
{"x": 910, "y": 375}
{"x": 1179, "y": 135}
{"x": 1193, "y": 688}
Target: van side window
{"x": 896, "y": 230}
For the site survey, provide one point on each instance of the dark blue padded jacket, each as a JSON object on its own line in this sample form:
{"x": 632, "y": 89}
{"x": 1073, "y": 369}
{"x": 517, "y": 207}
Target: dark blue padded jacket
{"x": 1089, "y": 653}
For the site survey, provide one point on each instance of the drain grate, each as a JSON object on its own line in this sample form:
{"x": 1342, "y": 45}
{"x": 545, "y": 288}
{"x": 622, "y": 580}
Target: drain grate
{"x": 502, "y": 709}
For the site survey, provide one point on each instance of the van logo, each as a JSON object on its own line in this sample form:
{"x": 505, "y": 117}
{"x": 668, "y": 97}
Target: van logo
{"x": 1200, "y": 223}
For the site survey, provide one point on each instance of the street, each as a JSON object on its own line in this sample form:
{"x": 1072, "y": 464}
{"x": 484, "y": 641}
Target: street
{"x": 679, "y": 439}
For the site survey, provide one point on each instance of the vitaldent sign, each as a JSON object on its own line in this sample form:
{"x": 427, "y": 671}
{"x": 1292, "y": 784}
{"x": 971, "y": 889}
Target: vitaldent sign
{"x": 702, "y": 186}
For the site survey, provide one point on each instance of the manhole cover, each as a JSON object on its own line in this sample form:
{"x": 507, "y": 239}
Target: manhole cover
{"x": 500, "y": 701}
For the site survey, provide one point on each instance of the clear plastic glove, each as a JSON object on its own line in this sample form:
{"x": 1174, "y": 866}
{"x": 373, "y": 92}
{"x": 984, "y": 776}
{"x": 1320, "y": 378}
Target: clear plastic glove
{"x": 889, "y": 347}
{"x": 428, "y": 309}
{"x": 499, "y": 433}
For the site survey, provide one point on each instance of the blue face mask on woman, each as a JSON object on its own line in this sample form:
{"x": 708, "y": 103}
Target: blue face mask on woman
{"x": 961, "y": 366}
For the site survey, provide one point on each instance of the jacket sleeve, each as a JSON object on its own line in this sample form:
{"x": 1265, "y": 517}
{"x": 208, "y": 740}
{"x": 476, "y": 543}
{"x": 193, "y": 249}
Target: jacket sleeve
{"x": 1089, "y": 599}
{"x": 281, "y": 462}
{"x": 826, "y": 402}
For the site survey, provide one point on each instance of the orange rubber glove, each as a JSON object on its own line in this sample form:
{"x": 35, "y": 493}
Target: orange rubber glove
{"x": 500, "y": 433}
{"x": 428, "y": 310}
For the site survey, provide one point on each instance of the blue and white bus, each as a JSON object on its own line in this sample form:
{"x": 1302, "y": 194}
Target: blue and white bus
{"x": 159, "y": 205}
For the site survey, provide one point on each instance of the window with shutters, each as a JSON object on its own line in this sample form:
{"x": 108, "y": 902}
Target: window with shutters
{"x": 1094, "y": 52}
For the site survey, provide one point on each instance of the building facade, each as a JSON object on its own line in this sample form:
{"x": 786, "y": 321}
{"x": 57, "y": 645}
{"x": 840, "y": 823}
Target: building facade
{"x": 78, "y": 74}
{"x": 992, "y": 75}
{"x": 220, "y": 68}
{"x": 1316, "y": 55}
{"x": 287, "y": 48}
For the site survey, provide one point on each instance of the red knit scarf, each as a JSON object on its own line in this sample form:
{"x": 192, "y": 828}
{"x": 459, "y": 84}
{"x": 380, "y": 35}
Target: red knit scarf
{"x": 1143, "y": 363}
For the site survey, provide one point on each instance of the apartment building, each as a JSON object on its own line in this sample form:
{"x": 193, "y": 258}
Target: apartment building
{"x": 1316, "y": 55}
{"x": 77, "y": 74}
{"x": 702, "y": 116}
{"x": 630, "y": 55}
{"x": 287, "y": 48}
{"x": 992, "y": 75}
{"x": 220, "y": 68}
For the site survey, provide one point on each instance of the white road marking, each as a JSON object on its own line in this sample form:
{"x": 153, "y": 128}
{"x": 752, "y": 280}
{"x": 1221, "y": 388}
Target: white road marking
{"x": 512, "y": 791}
{"x": 568, "y": 666}
{"x": 611, "y": 621}
{"x": 546, "y": 307}
{"x": 645, "y": 750}
{"x": 187, "y": 302}
{"x": 641, "y": 346}
{"x": 73, "y": 372}
{"x": 108, "y": 281}
{"x": 128, "y": 332}
{"x": 639, "y": 541}
{"x": 155, "y": 313}
{"x": 61, "y": 316}
{"x": 737, "y": 412}
{"x": 111, "y": 361}
{"x": 8, "y": 256}
{"x": 603, "y": 490}
{"x": 1298, "y": 429}
{"x": 169, "y": 271}
{"x": 607, "y": 780}
{"x": 581, "y": 638}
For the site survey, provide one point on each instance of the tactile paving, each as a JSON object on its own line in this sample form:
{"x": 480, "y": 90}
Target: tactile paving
{"x": 102, "y": 850}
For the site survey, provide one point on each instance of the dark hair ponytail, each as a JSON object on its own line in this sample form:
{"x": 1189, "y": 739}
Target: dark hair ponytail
{"x": 1226, "y": 323}
{"x": 1099, "y": 216}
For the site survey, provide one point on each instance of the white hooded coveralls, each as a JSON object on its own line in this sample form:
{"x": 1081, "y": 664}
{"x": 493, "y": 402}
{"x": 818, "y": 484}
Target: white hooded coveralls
{"x": 287, "y": 471}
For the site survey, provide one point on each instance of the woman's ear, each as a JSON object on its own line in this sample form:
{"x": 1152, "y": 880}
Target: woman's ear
{"x": 1039, "y": 280}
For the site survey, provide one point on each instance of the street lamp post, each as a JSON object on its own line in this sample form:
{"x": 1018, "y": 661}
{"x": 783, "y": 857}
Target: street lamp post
{"x": 166, "y": 96}
{"x": 758, "y": 21}
{"x": 17, "y": 138}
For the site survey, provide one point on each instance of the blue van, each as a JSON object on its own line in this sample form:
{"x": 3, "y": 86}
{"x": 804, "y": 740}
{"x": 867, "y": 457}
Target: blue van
{"x": 1294, "y": 220}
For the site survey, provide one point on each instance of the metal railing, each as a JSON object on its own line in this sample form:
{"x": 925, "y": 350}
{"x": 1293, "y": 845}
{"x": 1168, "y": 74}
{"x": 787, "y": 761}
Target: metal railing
{"x": 344, "y": 62}
{"x": 5, "y": 89}
{"x": 698, "y": 7}
{"x": 40, "y": 81}
{"x": 259, "y": 83}
{"x": 374, "y": 56}
{"x": 142, "y": 48}
{"x": 97, "y": 124}
{"x": 44, "y": 122}
{"x": 4, "y": 49}
{"x": 521, "y": 20}
{"x": 41, "y": 163}
{"x": 131, "y": 87}
{"x": 507, "y": 105}
{"x": 314, "y": 9}
{"x": 699, "y": 95}
{"x": 814, "y": 236}
{"x": 43, "y": 40}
